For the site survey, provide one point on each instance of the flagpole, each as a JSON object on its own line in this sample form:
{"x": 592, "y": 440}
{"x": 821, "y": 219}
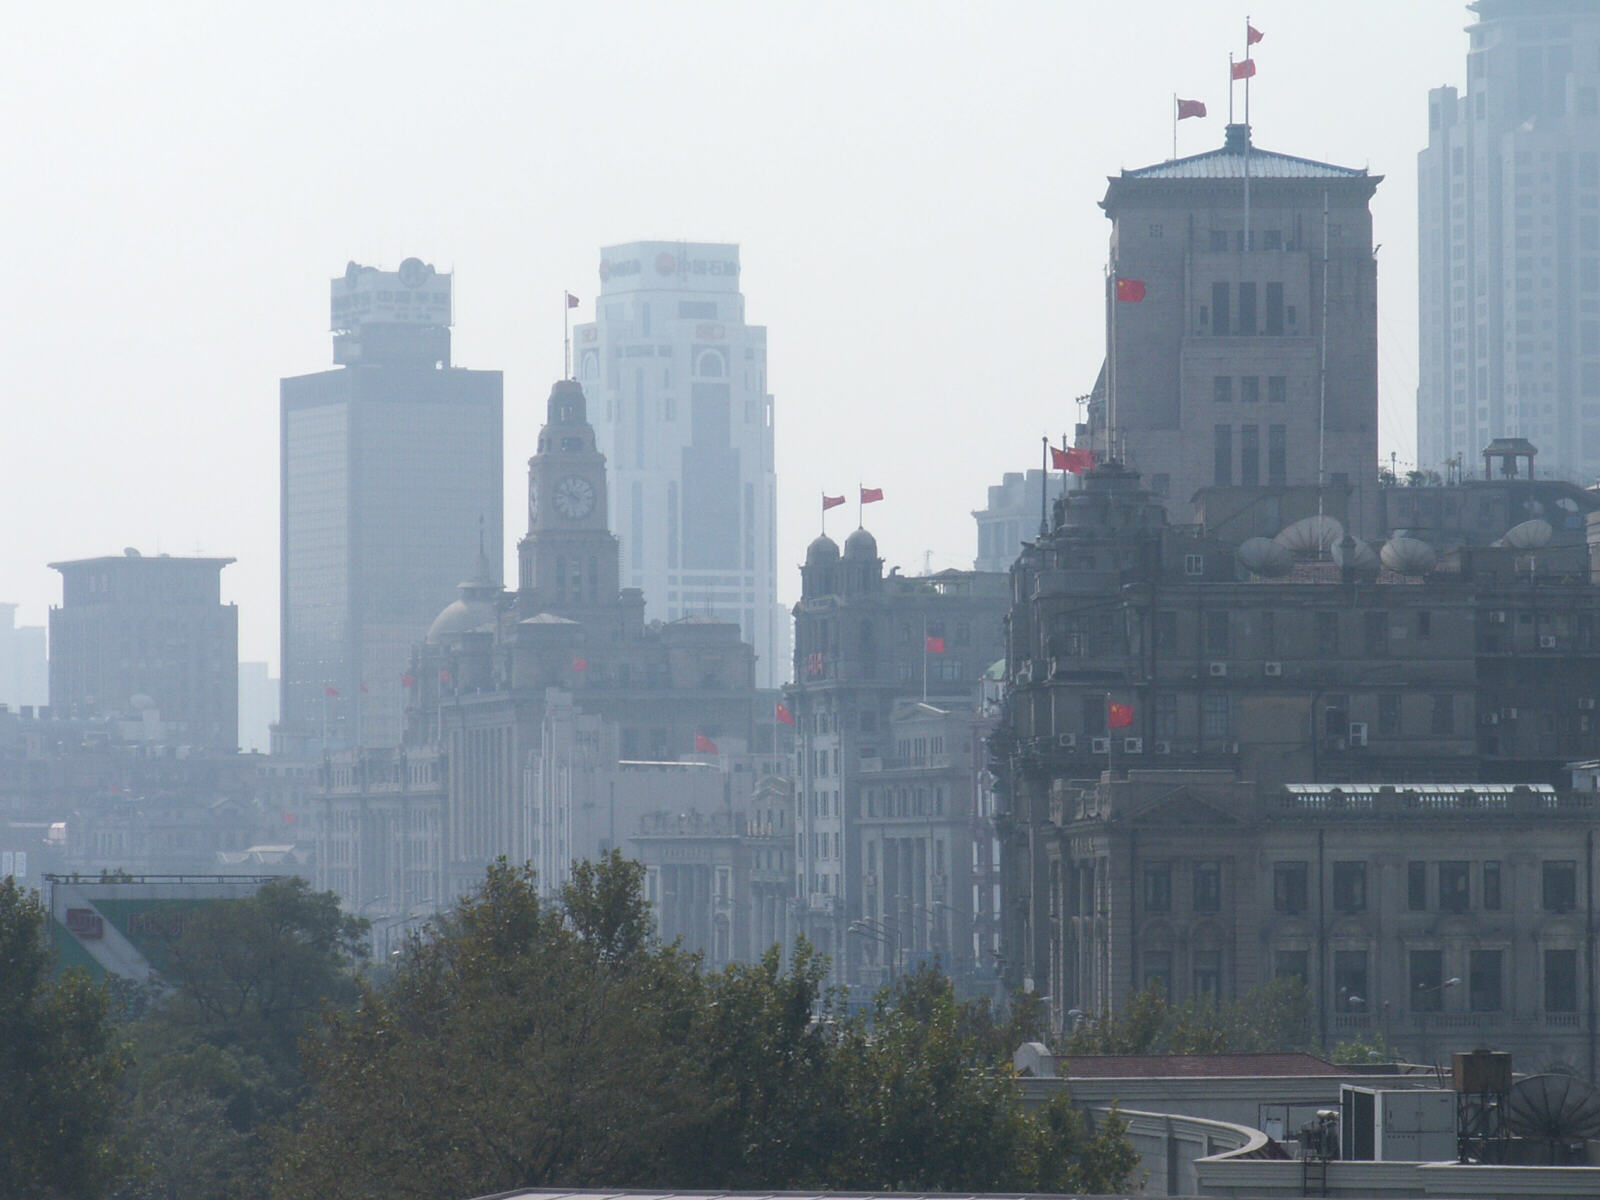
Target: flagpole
{"x": 824, "y": 520}
{"x": 1174, "y": 125}
{"x": 924, "y": 658}
{"x": 1247, "y": 133}
{"x": 1230, "y": 87}
{"x": 1110, "y": 770}
{"x": 1044, "y": 481}
{"x": 566, "y": 338}
{"x": 1111, "y": 372}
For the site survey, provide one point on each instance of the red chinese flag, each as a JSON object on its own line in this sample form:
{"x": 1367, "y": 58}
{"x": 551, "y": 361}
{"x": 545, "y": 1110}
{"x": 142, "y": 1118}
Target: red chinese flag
{"x": 1191, "y": 108}
{"x": 871, "y": 495}
{"x": 1252, "y": 35}
{"x": 331, "y": 692}
{"x": 288, "y": 818}
{"x": 785, "y": 717}
{"x": 1245, "y": 69}
{"x": 1119, "y": 716}
{"x": 1078, "y": 460}
{"x": 1059, "y": 459}
{"x": 572, "y": 301}
{"x": 704, "y": 745}
{"x": 831, "y": 501}
{"x": 1130, "y": 291}
{"x": 580, "y": 663}
{"x": 444, "y": 676}
{"x": 933, "y": 645}
{"x": 408, "y": 681}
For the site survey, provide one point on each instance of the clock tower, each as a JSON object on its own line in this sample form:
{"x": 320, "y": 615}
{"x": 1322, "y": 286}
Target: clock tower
{"x": 568, "y": 560}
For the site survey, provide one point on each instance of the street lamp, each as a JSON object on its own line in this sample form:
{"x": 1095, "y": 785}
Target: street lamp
{"x": 1422, "y": 991}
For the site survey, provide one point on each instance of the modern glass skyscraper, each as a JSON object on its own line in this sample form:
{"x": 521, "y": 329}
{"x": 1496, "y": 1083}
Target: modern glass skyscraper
{"x": 1509, "y": 208}
{"x": 677, "y": 387}
{"x": 391, "y": 485}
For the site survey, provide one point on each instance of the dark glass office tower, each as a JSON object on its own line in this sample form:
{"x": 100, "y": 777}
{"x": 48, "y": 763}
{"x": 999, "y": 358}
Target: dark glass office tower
{"x": 390, "y": 483}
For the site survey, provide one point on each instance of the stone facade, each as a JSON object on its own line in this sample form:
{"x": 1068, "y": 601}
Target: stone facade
{"x": 1258, "y": 284}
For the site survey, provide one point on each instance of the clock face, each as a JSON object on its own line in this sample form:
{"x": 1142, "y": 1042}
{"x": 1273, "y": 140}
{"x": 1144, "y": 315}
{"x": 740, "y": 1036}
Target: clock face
{"x": 533, "y": 501}
{"x": 574, "y": 497}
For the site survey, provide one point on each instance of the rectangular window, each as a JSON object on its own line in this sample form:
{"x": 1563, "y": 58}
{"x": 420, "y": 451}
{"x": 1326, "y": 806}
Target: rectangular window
{"x": 1485, "y": 980}
{"x": 1561, "y": 981}
{"x": 1491, "y": 886}
{"x": 1389, "y": 714}
{"x": 1350, "y": 887}
{"x": 1291, "y": 964}
{"x": 1164, "y": 630}
{"x": 1157, "y": 971}
{"x": 1327, "y": 633}
{"x": 1166, "y": 714}
{"x": 1247, "y": 308}
{"x": 1222, "y": 389}
{"x": 1208, "y": 973}
{"x": 1208, "y": 887}
{"x": 1277, "y": 389}
{"x": 1277, "y": 456}
{"x": 1424, "y": 625}
{"x": 1158, "y": 888}
{"x": 1250, "y": 389}
{"x": 1417, "y": 886}
{"x": 1221, "y": 322}
{"x": 1560, "y": 886}
{"x": 1214, "y": 716}
{"x": 1427, "y": 980}
{"x": 1274, "y": 314}
{"x": 1222, "y": 456}
{"x": 1455, "y": 887}
{"x": 1350, "y": 981}
{"x": 1289, "y": 887}
{"x": 1093, "y": 709}
{"x": 1443, "y": 722}
{"x": 1375, "y": 627}
{"x": 1250, "y": 453}
{"x": 1217, "y": 239}
{"x": 1216, "y": 627}
{"x": 1336, "y": 716}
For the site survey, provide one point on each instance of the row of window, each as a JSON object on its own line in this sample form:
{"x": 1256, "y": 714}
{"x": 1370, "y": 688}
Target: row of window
{"x": 1558, "y": 879}
{"x": 1218, "y": 639}
{"x": 1249, "y": 389}
{"x": 1250, "y": 456}
{"x": 1234, "y": 311}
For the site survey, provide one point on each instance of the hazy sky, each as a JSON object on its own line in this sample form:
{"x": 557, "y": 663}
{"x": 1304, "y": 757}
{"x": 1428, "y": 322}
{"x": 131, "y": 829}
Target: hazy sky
{"x": 913, "y": 185}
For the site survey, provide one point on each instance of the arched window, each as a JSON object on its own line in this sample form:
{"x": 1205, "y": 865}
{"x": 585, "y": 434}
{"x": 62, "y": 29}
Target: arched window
{"x": 710, "y": 365}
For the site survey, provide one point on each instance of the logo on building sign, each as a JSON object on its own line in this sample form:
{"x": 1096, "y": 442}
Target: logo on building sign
{"x": 626, "y": 266}
{"x": 414, "y": 273}
{"x": 85, "y": 923}
{"x": 666, "y": 264}
{"x": 814, "y": 663}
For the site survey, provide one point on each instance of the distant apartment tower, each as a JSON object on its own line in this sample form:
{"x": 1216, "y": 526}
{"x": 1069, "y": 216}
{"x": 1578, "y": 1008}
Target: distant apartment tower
{"x": 24, "y": 676}
{"x": 1508, "y": 193}
{"x": 391, "y": 487}
{"x": 148, "y": 641}
{"x": 1244, "y": 344}
{"x": 677, "y": 386}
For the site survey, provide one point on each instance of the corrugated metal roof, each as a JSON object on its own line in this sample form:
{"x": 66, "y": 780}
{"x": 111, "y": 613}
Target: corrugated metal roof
{"x": 1229, "y": 164}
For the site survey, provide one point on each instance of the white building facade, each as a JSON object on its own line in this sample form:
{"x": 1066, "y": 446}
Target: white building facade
{"x": 677, "y": 386}
{"x": 1509, "y": 243}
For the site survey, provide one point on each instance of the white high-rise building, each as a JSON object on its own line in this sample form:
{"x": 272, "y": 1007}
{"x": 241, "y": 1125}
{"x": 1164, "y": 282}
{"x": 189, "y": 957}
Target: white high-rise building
{"x": 677, "y": 387}
{"x": 1509, "y": 255}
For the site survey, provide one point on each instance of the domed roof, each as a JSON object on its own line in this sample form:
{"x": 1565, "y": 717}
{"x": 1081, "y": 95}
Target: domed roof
{"x": 462, "y": 616}
{"x": 823, "y": 547}
{"x": 861, "y": 544}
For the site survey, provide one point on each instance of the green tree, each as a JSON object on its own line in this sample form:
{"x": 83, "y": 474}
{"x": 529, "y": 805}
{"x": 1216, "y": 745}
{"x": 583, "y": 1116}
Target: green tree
{"x": 59, "y": 1063}
{"x": 1274, "y": 1016}
{"x": 217, "y": 1059}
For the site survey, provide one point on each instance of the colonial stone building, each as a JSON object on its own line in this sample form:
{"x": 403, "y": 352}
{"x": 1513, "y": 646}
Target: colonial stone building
{"x": 1433, "y": 918}
{"x": 869, "y": 782}
{"x": 568, "y": 652}
{"x": 1242, "y": 343}
{"x": 1266, "y": 672}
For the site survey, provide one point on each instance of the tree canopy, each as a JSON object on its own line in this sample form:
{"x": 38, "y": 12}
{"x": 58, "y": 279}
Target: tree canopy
{"x": 59, "y": 1063}
{"x": 521, "y": 1043}
{"x": 1274, "y": 1016}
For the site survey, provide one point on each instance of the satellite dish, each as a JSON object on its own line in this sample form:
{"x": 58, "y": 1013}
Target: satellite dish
{"x": 1310, "y": 535}
{"x": 1553, "y": 1108}
{"x": 1357, "y": 555}
{"x": 1263, "y": 556}
{"x": 1408, "y": 556}
{"x": 1530, "y": 535}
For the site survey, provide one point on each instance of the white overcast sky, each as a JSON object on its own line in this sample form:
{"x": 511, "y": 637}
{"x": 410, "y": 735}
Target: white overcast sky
{"x": 913, "y": 186}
